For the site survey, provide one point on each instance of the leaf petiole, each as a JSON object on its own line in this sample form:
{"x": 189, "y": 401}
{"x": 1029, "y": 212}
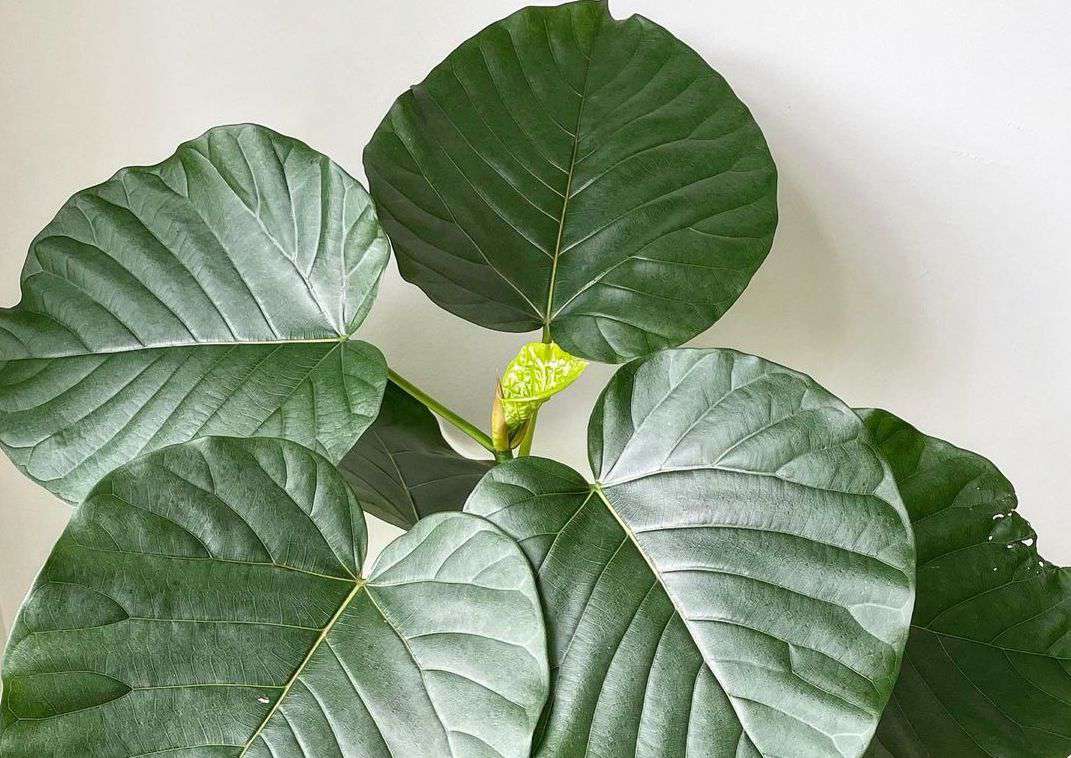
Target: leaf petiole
{"x": 442, "y": 411}
{"x": 529, "y": 435}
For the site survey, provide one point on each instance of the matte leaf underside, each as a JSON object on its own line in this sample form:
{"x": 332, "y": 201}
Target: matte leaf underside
{"x": 566, "y": 170}
{"x": 207, "y": 600}
{"x": 402, "y": 468}
{"x": 738, "y": 582}
{"x": 987, "y": 669}
{"x": 213, "y": 293}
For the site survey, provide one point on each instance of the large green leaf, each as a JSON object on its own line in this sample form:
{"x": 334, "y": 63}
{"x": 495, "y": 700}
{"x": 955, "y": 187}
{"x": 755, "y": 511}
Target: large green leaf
{"x": 567, "y": 170}
{"x": 987, "y": 670}
{"x": 402, "y": 468}
{"x": 213, "y": 293}
{"x": 739, "y": 580}
{"x": 207, "y": 600}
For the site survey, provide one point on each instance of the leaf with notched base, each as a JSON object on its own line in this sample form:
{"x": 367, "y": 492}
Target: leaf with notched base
{"x": 212, "y": 293}
{"x": 737, "y": 582}
{"x": 207, "y": 599}
{"x": 566, "y": 170}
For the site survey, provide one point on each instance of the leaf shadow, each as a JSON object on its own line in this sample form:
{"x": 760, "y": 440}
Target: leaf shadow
{"x": 812, "y": 303}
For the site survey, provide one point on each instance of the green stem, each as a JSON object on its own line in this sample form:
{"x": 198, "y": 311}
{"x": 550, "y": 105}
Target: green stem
{"x": 441, "y": 410}
{"x": 529, "y": 434}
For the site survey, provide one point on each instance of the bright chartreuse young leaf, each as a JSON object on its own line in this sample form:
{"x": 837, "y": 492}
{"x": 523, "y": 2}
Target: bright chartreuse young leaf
{"x": 566, "y": 170}
{"x": 987, "y": 669}
{"x": 402, "y": 468}
{"x": 737, "y": 582}
{"x": 539, "y": 371}
{"x": 207, "y": 599}
{"x": 212, "y": 293}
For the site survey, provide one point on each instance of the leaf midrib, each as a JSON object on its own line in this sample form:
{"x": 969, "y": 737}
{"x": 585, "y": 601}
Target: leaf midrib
{"x": 340, "y": 339}
{"x": 359, "y": 585}
{"x": 630, "y": 535}
{"x": 420, "y": 669}
{"x": 597, "y": 489}
{"x": 549, "y": 311}
{"x": 401, "y": 478}
{"x": 1001, "y": 648}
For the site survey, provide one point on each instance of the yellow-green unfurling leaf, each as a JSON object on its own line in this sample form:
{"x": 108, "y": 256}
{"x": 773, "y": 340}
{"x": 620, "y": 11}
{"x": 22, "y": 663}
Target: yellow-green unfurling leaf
{"x": 539, "y": 371}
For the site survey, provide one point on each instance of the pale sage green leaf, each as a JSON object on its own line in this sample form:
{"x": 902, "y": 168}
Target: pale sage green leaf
{"x": 737, "y": 582}
{"x": 402, "y": 468}
{"x": 207, "y": 600}
{"x": 538, "y": 372}
{"x": 566, "y": 170}
{"x": 212, "y": 293}
{"x": 987, "y": 669}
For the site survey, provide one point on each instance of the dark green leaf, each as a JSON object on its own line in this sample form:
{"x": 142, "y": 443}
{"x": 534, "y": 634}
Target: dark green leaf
{"x": 567, "y": 170}
{"x": 402, "y": 469}
{"x": 212, "y": 293}
{"x": 737, "y": 583}
{"x": 207, "y": 600}
{"x": 987, "y": 670}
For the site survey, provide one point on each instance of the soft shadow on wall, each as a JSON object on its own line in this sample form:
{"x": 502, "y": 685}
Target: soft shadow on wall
{"x": 918, "y": 272}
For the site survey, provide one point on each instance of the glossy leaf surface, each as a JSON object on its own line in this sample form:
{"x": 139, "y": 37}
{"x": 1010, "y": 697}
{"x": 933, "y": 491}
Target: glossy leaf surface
{"x": 207, "y": 600}
{"x": 737, "y": 583}
{"x": 402, "y": 468}
{"x": 212, "y": 293}
{"x": 987, "y": 670}
{"x": 567, "y": 170}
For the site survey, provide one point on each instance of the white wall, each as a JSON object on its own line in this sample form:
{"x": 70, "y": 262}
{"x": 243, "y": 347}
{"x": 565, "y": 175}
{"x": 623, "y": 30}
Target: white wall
{"x": 923, "y": 260}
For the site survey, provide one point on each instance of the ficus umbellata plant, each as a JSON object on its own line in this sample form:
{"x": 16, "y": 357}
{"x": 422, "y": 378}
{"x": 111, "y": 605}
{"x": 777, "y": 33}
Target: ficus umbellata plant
{"x": 750, "y": 568}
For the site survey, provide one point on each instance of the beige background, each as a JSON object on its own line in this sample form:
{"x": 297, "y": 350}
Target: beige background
{"x": 923, "y": 260}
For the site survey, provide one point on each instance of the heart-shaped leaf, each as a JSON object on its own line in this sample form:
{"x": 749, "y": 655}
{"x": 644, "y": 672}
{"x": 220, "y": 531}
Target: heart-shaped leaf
{"x": 207, "y": 600}
{"x": 213, "y": 293}
{"x": 402, "y": 468}
{"x": 987, "y": 669}
{"x": 566, "y": 170}
{"x": 739, "y": 580}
